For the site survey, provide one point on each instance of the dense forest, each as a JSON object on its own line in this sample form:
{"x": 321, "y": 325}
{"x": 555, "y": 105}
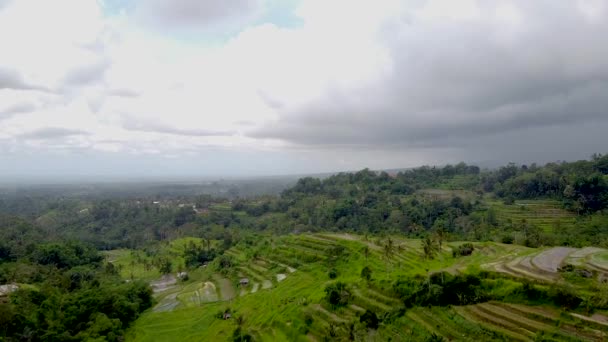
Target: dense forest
{"x": 51, "y": 240}
{"x": 453, "y": 198}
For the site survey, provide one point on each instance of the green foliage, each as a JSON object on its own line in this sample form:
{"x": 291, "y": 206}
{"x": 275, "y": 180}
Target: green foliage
{"x": 337, "y": 294}
{"x": 434, "y": 337}
{"x": 441, "y": 289}
{"x": 196, "y": 255}
{"x": 165, "y": 266}
{"x": 465, "y": 249}
{"x": 65, "y": 255}
{"x": 429, "y": 247}
{"x": 507, "y": 239}
{"x": 366, "y": 273}
{"x": 332, "y": 273}
{"x": 370, "y": 319}
{"x": 76, "y": 299}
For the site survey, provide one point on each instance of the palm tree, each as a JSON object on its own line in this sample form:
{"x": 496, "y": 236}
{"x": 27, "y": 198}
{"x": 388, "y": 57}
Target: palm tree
{"x": 389, "y": 250}
{"x": 440, "y": 237}
{"x": 429, "y": 248}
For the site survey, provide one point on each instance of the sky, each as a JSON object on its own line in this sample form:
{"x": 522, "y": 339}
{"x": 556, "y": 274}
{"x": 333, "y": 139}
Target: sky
{"x": 93, "y": 89}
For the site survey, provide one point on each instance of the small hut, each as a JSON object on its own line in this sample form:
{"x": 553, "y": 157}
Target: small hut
{"x": 244, "y": 282}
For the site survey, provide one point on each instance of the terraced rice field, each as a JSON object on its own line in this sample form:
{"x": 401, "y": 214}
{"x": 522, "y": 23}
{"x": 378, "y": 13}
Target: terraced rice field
{"x": 545, "y": 214}
{"x": 544, "y": 265}
{"x": 525, "y": 323}
{"x": 285, "y": 298}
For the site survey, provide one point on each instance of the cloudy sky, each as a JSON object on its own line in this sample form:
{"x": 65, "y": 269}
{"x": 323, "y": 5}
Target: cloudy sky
{"x": 172, "y": 88}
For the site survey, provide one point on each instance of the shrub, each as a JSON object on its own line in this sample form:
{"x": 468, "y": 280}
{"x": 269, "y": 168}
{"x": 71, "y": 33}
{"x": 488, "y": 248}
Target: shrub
{"x": 463, "y": 250}
{"x": 565, "y": 296}
{"x": 333, "y": 273}
{"x": 366, "y": 273}
{"x": 507, "y": 239}
{"x": 337, "y": 294}
{"x": 370, "y": 319}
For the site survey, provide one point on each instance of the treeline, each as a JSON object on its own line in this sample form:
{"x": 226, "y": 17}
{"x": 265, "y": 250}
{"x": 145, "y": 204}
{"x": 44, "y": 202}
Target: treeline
{"x": 363, "y": 201}
{"x": 582, "y": 186}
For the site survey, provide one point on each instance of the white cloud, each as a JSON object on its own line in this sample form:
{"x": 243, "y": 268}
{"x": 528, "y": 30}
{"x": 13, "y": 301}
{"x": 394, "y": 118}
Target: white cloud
{"x": 359, "y": 80}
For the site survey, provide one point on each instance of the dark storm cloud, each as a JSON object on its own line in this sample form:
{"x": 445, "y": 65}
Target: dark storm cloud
{"x": 161, "y": 128}
{"x": 194, "y": 13}
{"x": 49, "y": 133}
{"x": 458, "y": 81}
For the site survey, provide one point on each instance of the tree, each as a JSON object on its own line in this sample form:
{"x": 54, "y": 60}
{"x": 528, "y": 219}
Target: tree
{"x": 440, "y": 237}
{"x": 429, "y": 248}
{"x": 370, "y": 319}
{"x": 337, "y": 294}
{"x": 165, "y": 266}
{"x": 389, "y": 250}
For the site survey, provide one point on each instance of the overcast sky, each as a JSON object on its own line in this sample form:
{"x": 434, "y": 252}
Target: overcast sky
{"x": 172, "y": 88}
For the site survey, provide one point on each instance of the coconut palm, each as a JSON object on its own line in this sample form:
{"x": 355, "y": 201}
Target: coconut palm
{"x": 429, "y": 247}
{"x": 389, "y": 250}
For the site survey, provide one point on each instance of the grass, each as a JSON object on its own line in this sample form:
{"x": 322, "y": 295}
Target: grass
{"x": 295, "y": 308}
{"x": 548, "y": 215}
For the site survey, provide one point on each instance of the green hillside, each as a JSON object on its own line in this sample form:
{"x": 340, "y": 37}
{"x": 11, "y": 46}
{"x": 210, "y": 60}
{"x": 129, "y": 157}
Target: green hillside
{"x": 286, "y": 300}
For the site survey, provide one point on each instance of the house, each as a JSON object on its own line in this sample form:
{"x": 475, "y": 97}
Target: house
{"x": 182, "y": 275}
{"x": 244, "y": 281}
{"x": 227, "y": 315}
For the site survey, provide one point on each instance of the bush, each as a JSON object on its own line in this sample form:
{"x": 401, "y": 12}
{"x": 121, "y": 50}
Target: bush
{"x": 333, "y": 273}
{"x": 366, "y": 273}
{"x": 463, "y": 250}
{"x": 370, "y": 319}
{"x": 565, "y": 296}
{"x": 337, "y": 294}
{"x": 507, "y": 239}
